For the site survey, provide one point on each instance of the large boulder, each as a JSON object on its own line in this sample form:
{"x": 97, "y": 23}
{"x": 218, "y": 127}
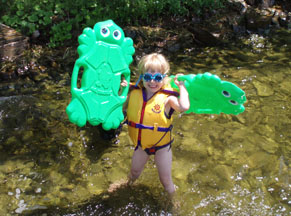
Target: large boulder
{"x": 256, "y": 20}
{"x": 12, "y": 43}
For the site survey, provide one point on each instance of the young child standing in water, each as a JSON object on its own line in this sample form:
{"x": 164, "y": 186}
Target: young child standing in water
{"x": 149, "y": 114}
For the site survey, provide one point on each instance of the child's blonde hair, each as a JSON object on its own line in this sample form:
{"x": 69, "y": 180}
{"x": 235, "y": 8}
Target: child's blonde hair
{"x": 154, "y": 62}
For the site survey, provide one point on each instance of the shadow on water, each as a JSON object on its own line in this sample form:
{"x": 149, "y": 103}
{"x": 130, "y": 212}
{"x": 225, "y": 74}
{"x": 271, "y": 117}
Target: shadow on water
{"x": 40, "y": 150}
{"x": 34, "y": 130}
{"x": 126, "y": 200}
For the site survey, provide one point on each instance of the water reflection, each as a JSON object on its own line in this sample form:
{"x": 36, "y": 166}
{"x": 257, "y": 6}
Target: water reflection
{"x": 222, "y": 164}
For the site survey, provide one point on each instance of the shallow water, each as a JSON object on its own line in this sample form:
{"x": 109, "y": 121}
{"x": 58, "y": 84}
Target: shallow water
{"x": 222, "y": 164}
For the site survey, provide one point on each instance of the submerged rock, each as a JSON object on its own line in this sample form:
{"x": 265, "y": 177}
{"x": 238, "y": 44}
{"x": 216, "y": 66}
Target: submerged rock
{"x": 263, "y": 89}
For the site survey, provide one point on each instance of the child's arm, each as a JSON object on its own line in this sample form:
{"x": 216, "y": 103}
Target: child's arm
{"x": 182, "y": 103}
{"x": 123, "y": 84}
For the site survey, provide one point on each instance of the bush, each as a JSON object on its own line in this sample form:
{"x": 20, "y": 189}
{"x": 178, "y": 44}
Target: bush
{"x": 56, "y": 19}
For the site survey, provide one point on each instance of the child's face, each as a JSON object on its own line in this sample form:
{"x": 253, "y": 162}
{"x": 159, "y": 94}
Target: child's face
{"x": 153, "y": 85}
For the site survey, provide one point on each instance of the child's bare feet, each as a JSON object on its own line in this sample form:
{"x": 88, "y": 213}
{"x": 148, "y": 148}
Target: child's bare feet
{"x": 172, "y": 203}
{"x": 118, "y": 184}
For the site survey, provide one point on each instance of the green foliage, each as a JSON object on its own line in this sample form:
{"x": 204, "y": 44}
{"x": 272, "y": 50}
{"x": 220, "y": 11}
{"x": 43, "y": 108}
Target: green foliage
{"x": 57, "y": 19}
{"x": 28, "y": 15}
{"x": 200, "y": 6}
{"x": 60, "y": 32}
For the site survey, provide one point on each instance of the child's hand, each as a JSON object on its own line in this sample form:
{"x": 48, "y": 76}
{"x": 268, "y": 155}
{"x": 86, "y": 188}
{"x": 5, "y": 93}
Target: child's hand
{"x": 178, "y": 83}
{"x": 181, "y": 103}
{"x": 123, "y": 83}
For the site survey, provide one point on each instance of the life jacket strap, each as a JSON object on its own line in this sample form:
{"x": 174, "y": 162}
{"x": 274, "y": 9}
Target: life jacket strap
{"x": 141, "y": 126}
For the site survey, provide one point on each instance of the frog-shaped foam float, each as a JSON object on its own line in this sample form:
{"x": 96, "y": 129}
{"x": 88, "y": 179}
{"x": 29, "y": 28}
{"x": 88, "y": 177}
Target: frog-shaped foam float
{"x": 104, "y": 55}
{"x": 208, "y": 94}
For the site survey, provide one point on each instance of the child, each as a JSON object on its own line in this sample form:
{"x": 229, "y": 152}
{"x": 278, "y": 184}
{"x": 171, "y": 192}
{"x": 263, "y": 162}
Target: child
{"x": 150, "y": 107}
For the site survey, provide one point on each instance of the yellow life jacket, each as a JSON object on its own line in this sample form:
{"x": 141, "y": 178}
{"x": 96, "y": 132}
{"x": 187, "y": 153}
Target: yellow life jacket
{"x": 148, "y": 124}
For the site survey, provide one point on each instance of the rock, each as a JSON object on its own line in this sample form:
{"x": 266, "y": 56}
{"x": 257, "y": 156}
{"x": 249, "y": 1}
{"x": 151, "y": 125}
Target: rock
{"x": 275, "y": 20}
{"x": 238, "y": 29}
{"x": 264, "y": 22}
{"x": 173, "y": 46}
{"x": 251, "y": 2}
{"x": 131, "y": 32}
{"x": 224, "y": 172}
{"x": 269, "y": 145}
{"x": 203, "y": 36}
{"x": 96, "y": 183}
{"x": 182, "y": 174}
{"x": 264, "y": 4}
{"x": 263, "y": 89}
{"x": 283, "y": 19}
{"x": 261, "y": 161}
{"x": 35, "y": 34}
{"x": 285, "y": 86}
{"x": 28, "y": 135}
{"x": 12, "y": 43}
{"x": 255, "y": 21}
{"x": 239, "y": 6}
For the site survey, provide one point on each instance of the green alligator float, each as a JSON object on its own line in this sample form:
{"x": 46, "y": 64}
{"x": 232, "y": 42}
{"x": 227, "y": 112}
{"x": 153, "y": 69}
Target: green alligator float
{"x": 208, "y": 94}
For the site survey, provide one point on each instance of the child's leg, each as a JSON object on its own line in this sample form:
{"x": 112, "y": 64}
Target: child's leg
{"x": 163, "y": 160}
{"x": 139, "y": 159}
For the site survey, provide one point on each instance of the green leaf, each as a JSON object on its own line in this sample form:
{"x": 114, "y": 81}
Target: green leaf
{"x": 37, "y": 7}
{"x": 79, "y": 18}
{"x": 40, "y": 13}
{"x": 32, "y": 18}
{"x": 5, "y": 18}
{"x": 24, "y": 17}
{"x": 20, "y": 6}
{"x": 19, "y": 13}
{"x": 47, "y": 20}
{"x": 69, "y": 27}
{"x": 32, "y": 27}
{"x": 24, "y": 23}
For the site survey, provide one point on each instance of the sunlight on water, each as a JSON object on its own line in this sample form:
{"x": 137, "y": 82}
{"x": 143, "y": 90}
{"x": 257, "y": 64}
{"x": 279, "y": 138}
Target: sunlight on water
{"x": 222, "y": 164}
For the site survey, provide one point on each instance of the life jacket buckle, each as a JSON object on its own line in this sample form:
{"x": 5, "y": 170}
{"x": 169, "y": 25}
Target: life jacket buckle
{"x": 152, "y": 150}
{"x": 132, "y": 124}
{"x": 156, "y": 126}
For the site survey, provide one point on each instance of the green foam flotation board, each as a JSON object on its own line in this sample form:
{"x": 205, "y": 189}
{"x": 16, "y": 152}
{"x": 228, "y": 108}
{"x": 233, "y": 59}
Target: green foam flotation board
{"x": 104, "y": 56}
{"x": 208, "y": 94}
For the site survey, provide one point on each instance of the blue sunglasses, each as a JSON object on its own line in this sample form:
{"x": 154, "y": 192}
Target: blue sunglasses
{"x": 157, "y": 77}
